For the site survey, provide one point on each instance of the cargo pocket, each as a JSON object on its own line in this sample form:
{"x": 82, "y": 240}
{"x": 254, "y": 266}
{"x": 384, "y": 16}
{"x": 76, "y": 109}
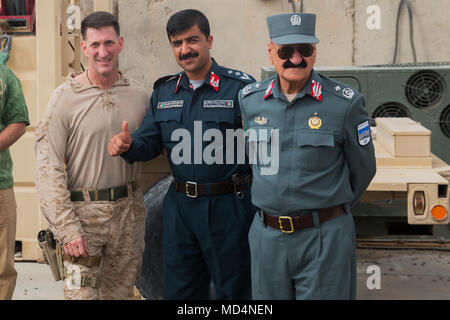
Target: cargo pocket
{"x": 315, "y": 149}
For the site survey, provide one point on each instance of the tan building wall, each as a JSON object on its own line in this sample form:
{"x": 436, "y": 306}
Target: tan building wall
{"x": 240, "y": 32}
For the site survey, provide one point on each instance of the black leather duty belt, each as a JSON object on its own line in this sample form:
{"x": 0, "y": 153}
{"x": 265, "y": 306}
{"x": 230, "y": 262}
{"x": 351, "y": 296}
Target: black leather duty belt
{"x": 287, "y": 224}
{"x": 235, "y": 185}
{"x": 111, "y": 194}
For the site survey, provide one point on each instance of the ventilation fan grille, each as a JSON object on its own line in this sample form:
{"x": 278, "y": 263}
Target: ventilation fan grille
{"x": 425, "y": 89}
{"x": 391, "y": 110}
{"x": 444, "y": 121}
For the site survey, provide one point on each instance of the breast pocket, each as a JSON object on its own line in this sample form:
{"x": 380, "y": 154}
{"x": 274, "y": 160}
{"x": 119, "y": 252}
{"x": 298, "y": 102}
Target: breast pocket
{"x": 168, "y": 120}
{"x": 316, "y": 150}
{"x": 218, "y": 118}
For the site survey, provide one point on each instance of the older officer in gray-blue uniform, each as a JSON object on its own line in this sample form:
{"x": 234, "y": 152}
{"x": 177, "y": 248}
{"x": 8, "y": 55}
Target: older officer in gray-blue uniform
{"x": 207, "y": 211}
{"x": 302, "y": 240}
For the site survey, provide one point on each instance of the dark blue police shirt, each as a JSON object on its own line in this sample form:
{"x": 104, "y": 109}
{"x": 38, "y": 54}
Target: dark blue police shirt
{"x": 175, "y": 105}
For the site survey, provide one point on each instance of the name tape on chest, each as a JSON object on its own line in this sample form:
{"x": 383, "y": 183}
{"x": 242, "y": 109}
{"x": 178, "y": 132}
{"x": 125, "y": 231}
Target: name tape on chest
{"x": 171, "y": 104}
{"x": 364, "y": 133}
{"x": 227, "y": 104}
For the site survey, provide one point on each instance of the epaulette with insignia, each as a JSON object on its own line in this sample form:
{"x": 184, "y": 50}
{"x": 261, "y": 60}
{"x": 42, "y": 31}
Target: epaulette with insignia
{"x": 164, "y": 79}
{"x": 339, "y": 89}
{"x": 238, "y": 75}
{"x": 255, "y": 87}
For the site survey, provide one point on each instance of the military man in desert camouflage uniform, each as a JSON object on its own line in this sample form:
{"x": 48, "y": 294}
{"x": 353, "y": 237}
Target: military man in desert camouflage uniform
{"x": 89, "y": 199}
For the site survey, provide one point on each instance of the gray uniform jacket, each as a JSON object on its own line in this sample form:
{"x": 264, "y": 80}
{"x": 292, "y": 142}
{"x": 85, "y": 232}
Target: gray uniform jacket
{"x": 322, "y": 141}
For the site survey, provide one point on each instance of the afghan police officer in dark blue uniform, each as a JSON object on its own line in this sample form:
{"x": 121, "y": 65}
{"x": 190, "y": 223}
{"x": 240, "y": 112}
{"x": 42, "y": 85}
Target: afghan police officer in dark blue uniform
{"x": 302, "y": 240}
{"x": 207, "y": 211}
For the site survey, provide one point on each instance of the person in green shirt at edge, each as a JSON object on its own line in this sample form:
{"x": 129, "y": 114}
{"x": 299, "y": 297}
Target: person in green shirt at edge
{"x": 13, "y": 123}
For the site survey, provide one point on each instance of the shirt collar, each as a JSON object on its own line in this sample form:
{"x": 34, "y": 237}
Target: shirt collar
{"x": 79, "y": 87}
{"x": 313, "y": 88}
{"x": 213, "y": 78}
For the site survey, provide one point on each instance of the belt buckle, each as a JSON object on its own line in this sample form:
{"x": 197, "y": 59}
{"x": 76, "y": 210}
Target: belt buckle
{"x": 112, "y": 194}
{"x": 280, "y": 221}
{"x": 195, "y": 187}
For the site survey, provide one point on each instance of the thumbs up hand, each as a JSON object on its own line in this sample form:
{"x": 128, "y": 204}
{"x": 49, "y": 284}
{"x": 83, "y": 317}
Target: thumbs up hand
{"x": 126, "y": 137}
{"x": 121, "y": 142}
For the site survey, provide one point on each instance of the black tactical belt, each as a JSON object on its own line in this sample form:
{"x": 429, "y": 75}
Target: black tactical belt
{"x": 111, "y": 194}
{"x": 235, "y": 185}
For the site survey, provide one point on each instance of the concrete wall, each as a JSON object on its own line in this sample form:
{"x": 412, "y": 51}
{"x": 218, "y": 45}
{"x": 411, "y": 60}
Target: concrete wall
{"x": 240, "y": 33}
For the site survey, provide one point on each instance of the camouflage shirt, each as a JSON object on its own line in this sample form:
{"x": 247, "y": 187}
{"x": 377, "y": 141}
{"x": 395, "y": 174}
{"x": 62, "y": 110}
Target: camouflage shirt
{"x": 13, "y": 109}
{"x": 71, "y": 146}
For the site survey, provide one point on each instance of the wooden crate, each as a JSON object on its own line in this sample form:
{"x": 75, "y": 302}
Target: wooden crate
{"x": 403, "y": 137}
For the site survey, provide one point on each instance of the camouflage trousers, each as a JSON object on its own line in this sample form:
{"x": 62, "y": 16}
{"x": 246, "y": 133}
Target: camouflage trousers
{"x": 115, "y": 231}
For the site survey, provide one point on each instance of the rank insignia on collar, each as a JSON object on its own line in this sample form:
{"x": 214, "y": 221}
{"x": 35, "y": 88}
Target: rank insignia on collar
{"x": 178, "y": 83}
{"x": 214, "y": 81}
{"x": 315, "y": 123}
{"x": 269, "y": 89}
{"x": 316, "y": 90}
{"x": 261, "y": 120}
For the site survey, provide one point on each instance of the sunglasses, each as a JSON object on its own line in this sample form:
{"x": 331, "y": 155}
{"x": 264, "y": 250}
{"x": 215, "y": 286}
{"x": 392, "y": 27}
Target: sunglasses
{"x": 304, "y": 49}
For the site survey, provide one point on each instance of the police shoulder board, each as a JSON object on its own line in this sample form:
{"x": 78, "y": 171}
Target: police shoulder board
{"x": 256, "y": 87}
{"x": 164, "y": 79}
{"x": 339, "y": 89}
{"x": 238, "y": 75}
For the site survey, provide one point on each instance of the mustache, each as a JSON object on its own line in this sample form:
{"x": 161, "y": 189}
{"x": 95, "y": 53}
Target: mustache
{"x": 288, "y": 64}
{"x": 189, "y": 55}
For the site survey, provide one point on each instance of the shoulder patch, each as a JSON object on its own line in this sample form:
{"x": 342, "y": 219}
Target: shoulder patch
{"x": 363, "y": 130}
{"x": 163, "y": 80}
{"x": 238, "y": 75}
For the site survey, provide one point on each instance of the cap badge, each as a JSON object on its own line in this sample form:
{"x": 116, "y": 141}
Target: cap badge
{"x": 315, "y": 123}
{"x": 261, "y": 120}
{"x": 296, "y": 20}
